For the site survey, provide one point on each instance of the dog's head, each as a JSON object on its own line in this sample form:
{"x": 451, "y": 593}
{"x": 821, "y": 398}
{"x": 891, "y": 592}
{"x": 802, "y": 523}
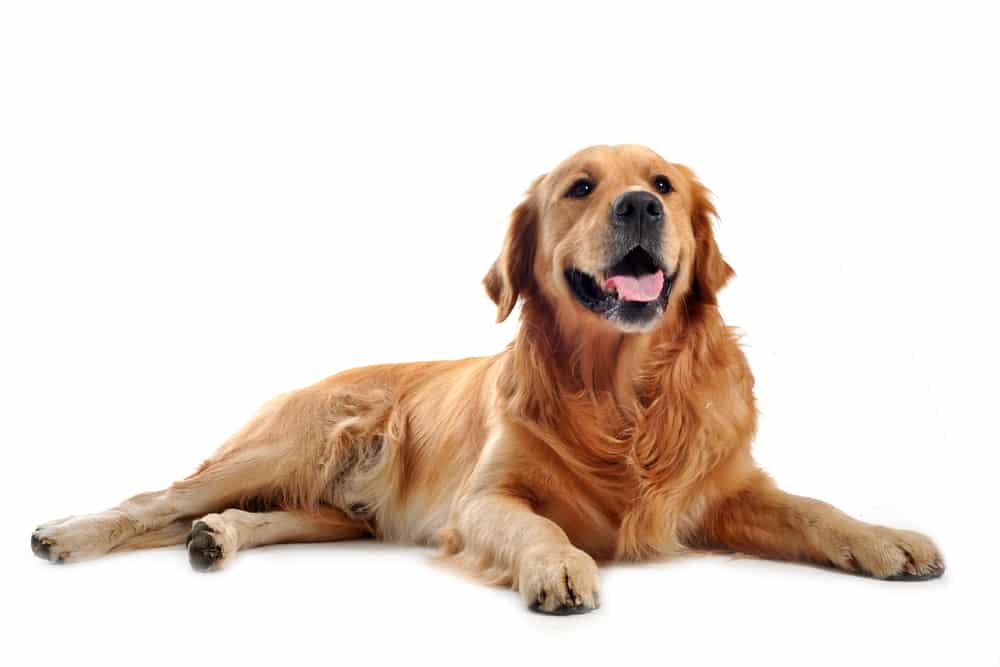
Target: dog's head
{"x": 614, "y": 236}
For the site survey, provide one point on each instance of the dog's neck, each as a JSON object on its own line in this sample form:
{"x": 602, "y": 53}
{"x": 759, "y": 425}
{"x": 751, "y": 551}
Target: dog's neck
{"x": 573, "y": 356}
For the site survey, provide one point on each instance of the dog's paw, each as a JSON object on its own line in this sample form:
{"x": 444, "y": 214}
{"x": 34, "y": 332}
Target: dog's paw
{"x": 886, "y": 553}
{"x": 79, "y": 538}
{"x": 211, "y": 543}
{"x": 563, "y": 581}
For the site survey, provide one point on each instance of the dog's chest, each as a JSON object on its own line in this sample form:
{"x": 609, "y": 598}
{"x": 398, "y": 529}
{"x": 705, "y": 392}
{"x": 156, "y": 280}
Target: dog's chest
{"x": 648, "y": 480}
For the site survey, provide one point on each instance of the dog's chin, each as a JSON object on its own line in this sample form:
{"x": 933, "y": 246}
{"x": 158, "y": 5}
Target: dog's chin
{"x": 629, "y": 316}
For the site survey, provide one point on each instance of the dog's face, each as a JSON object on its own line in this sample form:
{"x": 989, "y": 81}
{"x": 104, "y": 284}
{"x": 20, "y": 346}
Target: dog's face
{"x": 613, "y": 236}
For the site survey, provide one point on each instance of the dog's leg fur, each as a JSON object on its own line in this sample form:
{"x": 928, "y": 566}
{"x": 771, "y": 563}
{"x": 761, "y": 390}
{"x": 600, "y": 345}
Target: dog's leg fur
{"x": 501, "y": 538}
{"x": 172, "y": 534}
{"x": 763, "y": 520}
{"x": 289, "y": 456}
{"x": 215, "y": 538}
{"x": 213, "y": 488}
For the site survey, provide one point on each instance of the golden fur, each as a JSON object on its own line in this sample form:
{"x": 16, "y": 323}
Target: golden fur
{"x": 583, "y": 441}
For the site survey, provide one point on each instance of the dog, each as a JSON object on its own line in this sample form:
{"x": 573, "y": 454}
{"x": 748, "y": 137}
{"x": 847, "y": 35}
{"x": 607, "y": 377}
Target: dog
{"x": 616, "y": 426}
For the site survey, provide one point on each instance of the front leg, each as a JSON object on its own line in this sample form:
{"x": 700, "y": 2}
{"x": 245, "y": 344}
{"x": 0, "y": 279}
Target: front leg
{"x": 501, "y": 535}
{"x": 763, "y": 520}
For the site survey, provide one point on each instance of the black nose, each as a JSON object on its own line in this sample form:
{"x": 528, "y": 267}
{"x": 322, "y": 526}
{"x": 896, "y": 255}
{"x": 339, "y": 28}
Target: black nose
{"x": 637, "y": 209}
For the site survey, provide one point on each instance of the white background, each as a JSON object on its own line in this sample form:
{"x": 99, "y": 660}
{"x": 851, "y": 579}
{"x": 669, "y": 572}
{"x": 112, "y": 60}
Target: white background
{"x": 203, "y": 204}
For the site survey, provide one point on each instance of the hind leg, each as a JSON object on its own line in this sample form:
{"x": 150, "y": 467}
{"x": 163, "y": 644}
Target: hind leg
{"x": 172, "y": 534}
{"x": 289, "y": 455}
{"x": 215, "y": 538}
{"x": 149, "y": 519}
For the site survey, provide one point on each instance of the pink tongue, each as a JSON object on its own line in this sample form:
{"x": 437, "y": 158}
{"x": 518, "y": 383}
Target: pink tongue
{"x": 636, "y": 288}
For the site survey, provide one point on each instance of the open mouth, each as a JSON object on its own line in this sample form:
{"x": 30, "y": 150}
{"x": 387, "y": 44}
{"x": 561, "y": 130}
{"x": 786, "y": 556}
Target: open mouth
{"x": 633, "y": 290}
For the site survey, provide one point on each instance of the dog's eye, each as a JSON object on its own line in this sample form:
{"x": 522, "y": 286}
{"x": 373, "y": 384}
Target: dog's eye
{"x": 662, "y": 185}
{"x": 581, "y": 188}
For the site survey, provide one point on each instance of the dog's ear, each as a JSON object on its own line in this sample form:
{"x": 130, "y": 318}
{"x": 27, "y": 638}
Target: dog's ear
{"x": 511, "y": 273}
{"x": 711, "y": 271}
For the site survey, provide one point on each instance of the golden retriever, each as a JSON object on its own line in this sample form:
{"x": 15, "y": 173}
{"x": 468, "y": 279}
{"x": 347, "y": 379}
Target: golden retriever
{"x": 616, "y": 425}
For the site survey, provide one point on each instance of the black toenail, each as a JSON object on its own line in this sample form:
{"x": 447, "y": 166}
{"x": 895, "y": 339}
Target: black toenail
{"x": 39, "y": 548}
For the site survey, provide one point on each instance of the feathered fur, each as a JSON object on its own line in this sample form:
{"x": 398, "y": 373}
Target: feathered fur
{"x": 581, "y": 441}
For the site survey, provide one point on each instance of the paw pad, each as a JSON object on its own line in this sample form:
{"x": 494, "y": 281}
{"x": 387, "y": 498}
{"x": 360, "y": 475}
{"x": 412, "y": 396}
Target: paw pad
{"x": 204, "y": 552}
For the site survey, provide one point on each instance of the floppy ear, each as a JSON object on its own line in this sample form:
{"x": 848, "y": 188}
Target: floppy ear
{"x": 511, "y": 273}
{"x": 711, "y": 271}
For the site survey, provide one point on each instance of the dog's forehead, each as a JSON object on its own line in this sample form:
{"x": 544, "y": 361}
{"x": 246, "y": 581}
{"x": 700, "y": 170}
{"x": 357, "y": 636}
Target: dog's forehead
{"x": 608, "y": 161}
